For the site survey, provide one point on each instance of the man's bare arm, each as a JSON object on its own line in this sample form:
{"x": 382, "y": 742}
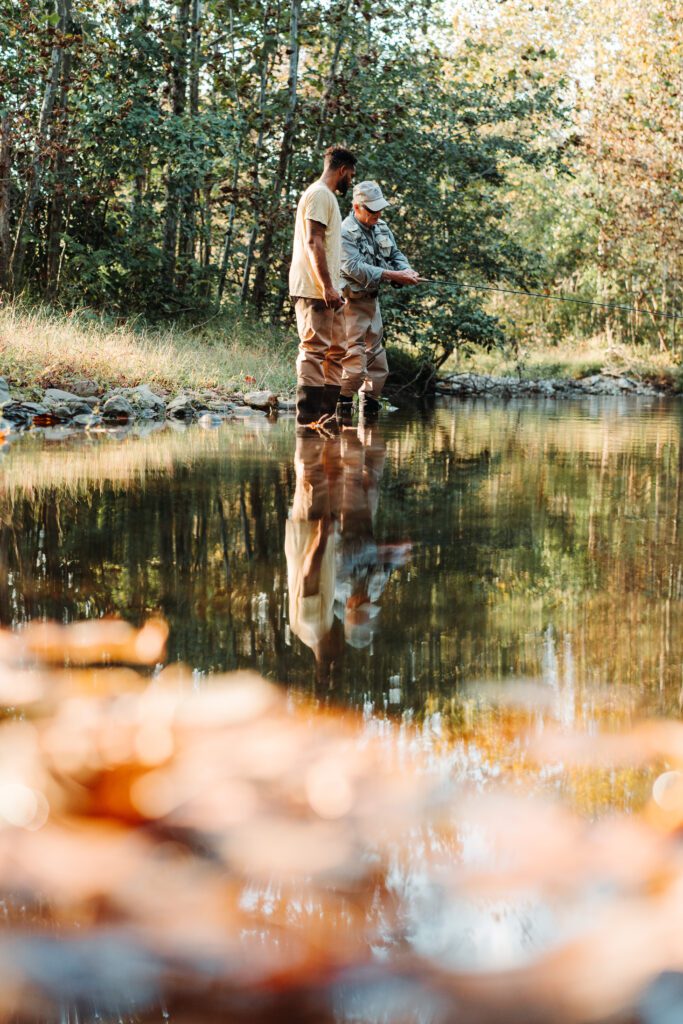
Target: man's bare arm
{"x": 315, "y": 244}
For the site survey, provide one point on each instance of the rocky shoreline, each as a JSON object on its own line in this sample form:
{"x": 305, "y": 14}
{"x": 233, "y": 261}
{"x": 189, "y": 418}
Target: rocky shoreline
{"x": 86, "y": 405}
{"x": 474, "y": 384}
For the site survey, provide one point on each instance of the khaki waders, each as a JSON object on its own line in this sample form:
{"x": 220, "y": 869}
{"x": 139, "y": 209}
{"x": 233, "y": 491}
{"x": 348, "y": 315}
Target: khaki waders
{"x": 365, "y": 367}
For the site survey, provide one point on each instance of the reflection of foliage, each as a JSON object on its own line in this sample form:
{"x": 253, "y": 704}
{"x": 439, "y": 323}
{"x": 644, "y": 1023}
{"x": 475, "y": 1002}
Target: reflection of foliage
{"x": 536, "y": 539}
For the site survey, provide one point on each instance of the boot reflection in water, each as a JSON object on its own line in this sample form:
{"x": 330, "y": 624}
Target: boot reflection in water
{"x": 363, "y": 566}
{"x": 310, "y": 541}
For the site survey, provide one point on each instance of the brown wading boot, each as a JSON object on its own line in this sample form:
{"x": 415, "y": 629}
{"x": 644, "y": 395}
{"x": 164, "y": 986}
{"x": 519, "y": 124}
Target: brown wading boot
{"x": 369, "y": 408}
{"x": 308, "y": 408}
{"x": 345, "y": 410}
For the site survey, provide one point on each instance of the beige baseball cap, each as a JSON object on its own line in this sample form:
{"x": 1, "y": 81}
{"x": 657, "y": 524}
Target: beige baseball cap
{"x": 368, "y": 193}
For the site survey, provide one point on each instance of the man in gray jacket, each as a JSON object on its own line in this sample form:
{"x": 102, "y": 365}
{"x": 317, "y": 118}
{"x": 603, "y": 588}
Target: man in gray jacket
{"x": 369, "y": 257}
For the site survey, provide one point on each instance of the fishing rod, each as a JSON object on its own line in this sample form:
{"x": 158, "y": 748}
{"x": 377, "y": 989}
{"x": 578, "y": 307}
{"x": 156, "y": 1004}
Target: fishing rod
{"x": 552, "y": 298}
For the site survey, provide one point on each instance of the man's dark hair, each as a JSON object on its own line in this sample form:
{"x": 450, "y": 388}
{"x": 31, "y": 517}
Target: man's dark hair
{"x": 337, "y": 157}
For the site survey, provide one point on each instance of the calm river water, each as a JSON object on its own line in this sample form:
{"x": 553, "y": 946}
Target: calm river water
{"x": 471, "y": 543}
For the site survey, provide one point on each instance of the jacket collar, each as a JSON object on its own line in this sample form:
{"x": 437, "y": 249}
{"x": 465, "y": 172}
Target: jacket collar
{"x": 368, "y": 231}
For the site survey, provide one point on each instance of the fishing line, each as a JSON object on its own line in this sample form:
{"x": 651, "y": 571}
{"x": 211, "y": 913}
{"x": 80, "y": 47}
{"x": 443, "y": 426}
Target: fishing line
{"x": 554, "y": 298}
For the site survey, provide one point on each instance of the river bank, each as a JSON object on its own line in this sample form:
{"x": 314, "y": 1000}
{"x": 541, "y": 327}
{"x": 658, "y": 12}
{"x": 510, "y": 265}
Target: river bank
{"x": 87, "y": 369}
{"x": 227, "y": 355}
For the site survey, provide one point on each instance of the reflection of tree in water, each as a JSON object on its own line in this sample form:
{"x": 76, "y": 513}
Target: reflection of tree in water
{"x": 524, "y": 526}
{"x": 199, "y": 546}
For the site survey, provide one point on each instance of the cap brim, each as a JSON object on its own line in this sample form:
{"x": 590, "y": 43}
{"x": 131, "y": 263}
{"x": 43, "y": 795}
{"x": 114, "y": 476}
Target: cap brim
{"x": 378, "y": 205}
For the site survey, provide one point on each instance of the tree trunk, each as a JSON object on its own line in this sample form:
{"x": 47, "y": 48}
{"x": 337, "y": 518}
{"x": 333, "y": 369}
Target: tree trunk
{"x": 283, "y": 285}
{"x": 334, "y": 64}
{"x": 206, "y": 251}
{"x": 5, "y": 201}
{"x": 173, "y": 183}
{"x": 257, "y": 196}
{"x": 227, "y": 244}
{"x": 229, "y": 231}
{"x": 207, "y": 226}
{"x": 55, "y": 227}
{"x": 188, "y": 223}
{"x": 37, "y": 165}
{"x": 283, "y": 160}
{"x": 248, "y": 262}
{"x": 195, "y": 54}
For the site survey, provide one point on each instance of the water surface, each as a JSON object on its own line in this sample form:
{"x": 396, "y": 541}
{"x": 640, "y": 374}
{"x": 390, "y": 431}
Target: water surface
{"x": 477, "y": 541}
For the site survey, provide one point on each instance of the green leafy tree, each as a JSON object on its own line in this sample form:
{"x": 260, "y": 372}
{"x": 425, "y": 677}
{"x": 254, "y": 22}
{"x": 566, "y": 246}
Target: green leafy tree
{"x": 156, "y": 165}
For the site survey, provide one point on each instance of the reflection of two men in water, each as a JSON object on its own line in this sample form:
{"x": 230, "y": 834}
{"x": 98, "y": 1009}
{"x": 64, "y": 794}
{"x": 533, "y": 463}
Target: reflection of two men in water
{"x": 336, "y": 570}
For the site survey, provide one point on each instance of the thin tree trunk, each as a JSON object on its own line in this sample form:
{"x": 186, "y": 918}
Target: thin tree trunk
{"x": 257, "y": 197}
{"x": 170, "y": 230}
{"x": 62, "y": 249}
{"x": 173, "y": 184}
{"x": 283, "y": 160}
{"x": 248, "y": 263}
{"x": 283, "y": 287}
{"x": 229, "y": 231}
{"x": 5, "y": 200}
{"x": 227, "y": 244}
{"x": 207, "y": 226}
{"x": 37, "y": 164}
{"x": 56, "y": 212}
{"x": 206, "y": 234}
{"x": 332, "y": 75}
{"x": 195, "y": 53}
{"x": 188, "y": 224}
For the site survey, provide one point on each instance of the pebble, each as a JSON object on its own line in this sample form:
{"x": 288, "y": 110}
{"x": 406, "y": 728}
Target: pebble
{"x": 264, "y": 400}
{"x": 183, "y": 407}
{"x": 86, "y": 388}
{"x": 117, "y": 408}
{"x": 56, "y": 395}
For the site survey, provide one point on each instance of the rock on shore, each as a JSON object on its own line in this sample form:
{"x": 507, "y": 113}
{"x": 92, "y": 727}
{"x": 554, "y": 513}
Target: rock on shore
{"x": 466, "y": 384}
{"x": 89, "y": 405}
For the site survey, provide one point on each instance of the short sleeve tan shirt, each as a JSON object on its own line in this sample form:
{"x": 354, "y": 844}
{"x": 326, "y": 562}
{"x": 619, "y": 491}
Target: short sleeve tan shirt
{"x": 317, "y": 203}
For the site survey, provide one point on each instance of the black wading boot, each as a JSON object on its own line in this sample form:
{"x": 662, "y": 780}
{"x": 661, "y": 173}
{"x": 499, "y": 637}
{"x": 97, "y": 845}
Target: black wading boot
{"x": 369, "y": 408}
{"x": 308, "y": 407}
{"x": 329, "y": 406}
{"x": 345, "y": 410}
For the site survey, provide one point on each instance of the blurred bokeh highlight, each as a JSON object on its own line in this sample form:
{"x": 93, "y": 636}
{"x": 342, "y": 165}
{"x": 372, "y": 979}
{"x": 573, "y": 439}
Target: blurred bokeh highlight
{"x": 234, "y": 851}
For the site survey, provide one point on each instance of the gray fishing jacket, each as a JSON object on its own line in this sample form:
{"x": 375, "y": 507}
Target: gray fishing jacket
{"x": 366, "y": 252}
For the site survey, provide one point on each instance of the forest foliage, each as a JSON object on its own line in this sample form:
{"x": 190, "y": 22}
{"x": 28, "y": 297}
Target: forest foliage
{"x": 152, "y": 153}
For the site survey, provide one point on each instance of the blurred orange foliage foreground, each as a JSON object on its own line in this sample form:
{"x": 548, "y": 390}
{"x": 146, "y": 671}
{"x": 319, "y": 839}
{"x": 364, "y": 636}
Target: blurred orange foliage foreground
{"x": 232, "y": 853}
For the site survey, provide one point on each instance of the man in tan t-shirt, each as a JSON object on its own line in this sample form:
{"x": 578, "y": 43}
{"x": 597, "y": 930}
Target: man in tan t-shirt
{"x": 314, "y": 286}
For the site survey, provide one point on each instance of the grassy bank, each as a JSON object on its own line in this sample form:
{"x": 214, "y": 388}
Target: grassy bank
{"x": 43, "y": 348}
{"x": 576, "y": 359}
{"x": 46, "y": 348}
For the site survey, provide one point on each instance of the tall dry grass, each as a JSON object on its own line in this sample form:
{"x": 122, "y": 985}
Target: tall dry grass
{"x": 40, "y": 347}
{"x": 575, "y": 359}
